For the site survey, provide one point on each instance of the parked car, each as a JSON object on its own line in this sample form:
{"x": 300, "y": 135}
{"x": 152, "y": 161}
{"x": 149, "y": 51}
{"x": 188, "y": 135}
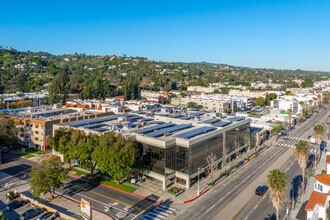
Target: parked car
{"x": 31, "y": 213}
{"x": 48, "y": 216}
{"x": 261, "y": 190}
{"x": 14, "y": 205}
{"x": 240, "y": 163}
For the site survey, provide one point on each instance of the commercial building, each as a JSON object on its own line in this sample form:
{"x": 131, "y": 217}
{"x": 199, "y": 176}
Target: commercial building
{"x": 217, "y": 102}
{"x": 175, "y": 146}
{"x": 34, "y": 124}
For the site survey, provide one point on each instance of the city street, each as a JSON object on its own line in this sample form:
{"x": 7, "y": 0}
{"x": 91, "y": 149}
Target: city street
{"x": 112, "y": 202}
{"x": 234, "y": 197}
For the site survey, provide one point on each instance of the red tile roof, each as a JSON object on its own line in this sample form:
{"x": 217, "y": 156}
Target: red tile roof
{"x": 323, "y": 178}
{"x": 316, "y": 199}
{"x": 328, "y": 159}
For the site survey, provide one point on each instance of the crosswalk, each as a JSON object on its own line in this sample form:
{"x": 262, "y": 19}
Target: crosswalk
{"x": 160, "y": 213}
{"x": 292, "y": 146}
{"x": 297, "y": 138}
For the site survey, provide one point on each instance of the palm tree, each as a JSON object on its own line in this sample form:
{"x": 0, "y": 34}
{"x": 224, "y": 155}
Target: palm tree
{"x": 277, "y": 182}
{"x": 301, "y": 103}
{"x": 300, "y": 117}
{"x": 310, "y": 102}
{"x": 289, "y": 111}
{"x": 319, "y": 99}
{"x": 302, "y": 149}
{"x": 318, "y": 132}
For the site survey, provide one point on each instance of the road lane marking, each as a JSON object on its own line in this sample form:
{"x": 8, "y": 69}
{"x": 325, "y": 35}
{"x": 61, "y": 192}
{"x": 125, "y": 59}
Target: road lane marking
{"x": 249, "y": 187}
{"x": 249, "y": 184}
{"x": 105, "y": 196}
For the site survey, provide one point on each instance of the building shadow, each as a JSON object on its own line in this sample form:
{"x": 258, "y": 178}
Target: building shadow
{"x": 149, "y": 206}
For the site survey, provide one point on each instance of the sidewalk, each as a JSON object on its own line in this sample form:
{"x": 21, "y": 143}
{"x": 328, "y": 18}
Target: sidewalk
{"x": 299, "y": 209}
{"x": 152, "y": 189}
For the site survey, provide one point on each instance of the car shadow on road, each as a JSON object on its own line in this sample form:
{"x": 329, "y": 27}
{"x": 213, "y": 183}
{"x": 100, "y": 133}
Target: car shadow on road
{"x": 271, "y": 217}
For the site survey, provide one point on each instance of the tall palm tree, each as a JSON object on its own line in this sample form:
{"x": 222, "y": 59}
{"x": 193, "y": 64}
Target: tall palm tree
{"x": 319, "y": 99}
{"x": 318, "y": 132}
{"x": 310, "y": 102}
{"x": 289, "y": 111}
{"x": 300, "y": 117}
{"x": 277, "y": 182}
{"x": 302, "y": 149}
{"x": 301, "y": 103}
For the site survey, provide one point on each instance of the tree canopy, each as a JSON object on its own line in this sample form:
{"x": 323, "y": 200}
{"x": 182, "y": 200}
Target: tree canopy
{"x": 114, "y": 155}
{"x": 47, "y": 176}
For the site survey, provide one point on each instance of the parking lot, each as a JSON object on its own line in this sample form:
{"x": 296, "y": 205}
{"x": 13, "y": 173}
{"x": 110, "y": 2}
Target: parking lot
{"x": 15, "y": 214}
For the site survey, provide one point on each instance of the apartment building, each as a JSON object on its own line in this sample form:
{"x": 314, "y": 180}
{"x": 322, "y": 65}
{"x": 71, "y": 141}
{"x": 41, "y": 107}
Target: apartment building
{"x": 34, "y": 124}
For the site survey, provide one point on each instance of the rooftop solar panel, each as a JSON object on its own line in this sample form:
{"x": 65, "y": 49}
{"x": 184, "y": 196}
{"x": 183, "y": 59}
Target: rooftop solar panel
{"x": 170, "y": 129}
{"x": 222, "y": 124}
{"x": 94, "y": 125}
{"x": 153, "y": 128}
{"x": 236, "y": 119}
{"x": 156, "y": 122}
{"x": 187, "y": 117}
{"x": 176, "y": 116}
{"x": 211, "y": 121}
{"x": 100, "y": 129}
{"x": 197, "y": 113}
{"x": 195, "y": 132}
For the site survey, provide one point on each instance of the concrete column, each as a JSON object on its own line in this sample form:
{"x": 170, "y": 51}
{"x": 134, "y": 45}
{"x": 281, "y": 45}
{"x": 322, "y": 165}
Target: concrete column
{"x": 187, "y": 183}
{"x": 164, "y": 184}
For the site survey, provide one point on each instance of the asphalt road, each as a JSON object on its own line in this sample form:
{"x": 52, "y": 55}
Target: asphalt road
{"x": 110, "y": 201}
{"x": 262, "y": 207}
{"x": 218, "y": 202}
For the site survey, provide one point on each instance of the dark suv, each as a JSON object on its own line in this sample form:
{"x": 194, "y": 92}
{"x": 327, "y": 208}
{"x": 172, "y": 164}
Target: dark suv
{"x": 261, "y": 190}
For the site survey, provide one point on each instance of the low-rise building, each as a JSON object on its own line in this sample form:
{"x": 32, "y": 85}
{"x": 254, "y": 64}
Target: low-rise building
{"x": 175, "y": 146}
{"x": 34, "y": 124}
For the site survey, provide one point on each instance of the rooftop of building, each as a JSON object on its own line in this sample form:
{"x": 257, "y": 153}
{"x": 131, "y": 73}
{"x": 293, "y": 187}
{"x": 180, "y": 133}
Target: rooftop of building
{"x": 316, "y": 199}
{"x": 49, "y": 113}
{"x": 323, "y": 178}
{"x": 162, "y": 127}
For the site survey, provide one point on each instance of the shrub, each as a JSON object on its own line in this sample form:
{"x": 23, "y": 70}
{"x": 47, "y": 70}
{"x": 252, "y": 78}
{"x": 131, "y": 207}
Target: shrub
{"x": 225, "y": 174}
{"x": 324, "y": 172}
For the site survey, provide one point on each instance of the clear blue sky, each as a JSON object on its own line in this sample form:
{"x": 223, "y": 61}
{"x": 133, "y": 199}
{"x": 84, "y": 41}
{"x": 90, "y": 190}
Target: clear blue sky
{"x": 288, "y": 34}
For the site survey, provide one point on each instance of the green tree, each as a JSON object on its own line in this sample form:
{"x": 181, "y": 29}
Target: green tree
{"x": 260, "y": 101}
{"x": 8, "y": 130}
{"x": 302, "y": 150}
{"x": 132, "y": 88}
{"x": 277, "y": 127}
{"x": 267, "y": 99}
{"x": 47, "y": 176}
{"x": 114, "y": 155}
{"x": 60, "y": 142}
{"x": 277, "y": 182}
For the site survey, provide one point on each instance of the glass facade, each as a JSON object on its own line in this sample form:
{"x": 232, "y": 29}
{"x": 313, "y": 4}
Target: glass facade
{"x": 199, "y": 152}
{"x": 188, "y": 160}
{"x": 236, "y": 138}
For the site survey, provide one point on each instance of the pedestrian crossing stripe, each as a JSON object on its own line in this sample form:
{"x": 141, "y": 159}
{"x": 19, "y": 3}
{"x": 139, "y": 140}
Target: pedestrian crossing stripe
{"x": 159, "y": 212}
